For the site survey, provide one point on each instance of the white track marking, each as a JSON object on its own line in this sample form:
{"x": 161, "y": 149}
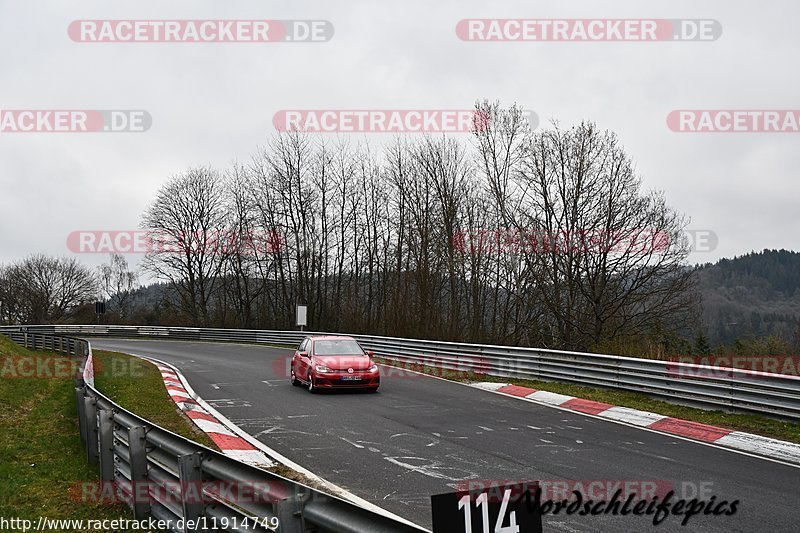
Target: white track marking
{"x": 352, "y": 443}
{"x": 430, "y": 469}
{"x": 246, "y": 456}
{"x": 632, "y": 416}
{"x": 212, "y": 427}
{"x": 549, "y": 397}
{"x": 267, "y": 431}
{"x": 489, "y": 386}
{"x": 759, "y": 444}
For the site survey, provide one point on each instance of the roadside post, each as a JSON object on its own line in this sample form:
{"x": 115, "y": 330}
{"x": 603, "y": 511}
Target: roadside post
{"x": 302, "y": 316}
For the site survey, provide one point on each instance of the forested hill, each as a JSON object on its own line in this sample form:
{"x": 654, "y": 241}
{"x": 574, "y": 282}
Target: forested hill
{"x": 754, "y": 295}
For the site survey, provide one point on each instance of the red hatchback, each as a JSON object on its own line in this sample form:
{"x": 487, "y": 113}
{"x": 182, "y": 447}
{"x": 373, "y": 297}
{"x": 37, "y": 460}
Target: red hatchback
{"x": 334, "y": 362}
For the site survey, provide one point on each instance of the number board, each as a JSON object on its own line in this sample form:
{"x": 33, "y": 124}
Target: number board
{"x": 488, "y": 509}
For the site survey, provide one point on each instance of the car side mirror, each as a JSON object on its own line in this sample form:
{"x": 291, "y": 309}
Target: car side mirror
{"x": 303, "y": 354}
{"x": 370, "y": 353}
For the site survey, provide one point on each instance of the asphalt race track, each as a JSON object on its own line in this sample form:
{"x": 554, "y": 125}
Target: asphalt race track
{"x": 420, "y": 436}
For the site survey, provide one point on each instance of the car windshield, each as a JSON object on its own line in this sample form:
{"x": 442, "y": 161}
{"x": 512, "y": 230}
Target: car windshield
{"x": 337, "y": 347}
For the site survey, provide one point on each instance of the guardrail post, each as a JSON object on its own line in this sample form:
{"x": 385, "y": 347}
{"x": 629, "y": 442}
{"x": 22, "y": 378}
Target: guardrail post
{"x": 137, "y": 447}
{"x": 106, "y": 431}
{"x": 290, "y": 511}
{"x": 25, "y": 339}
{"x": 90, "y": 418}
{"x": 79, "y": 403}
{"x": 191, "y": 479}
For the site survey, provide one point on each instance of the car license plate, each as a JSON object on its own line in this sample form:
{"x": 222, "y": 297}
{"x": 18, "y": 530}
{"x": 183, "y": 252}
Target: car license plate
{"x": 351, "y": 378}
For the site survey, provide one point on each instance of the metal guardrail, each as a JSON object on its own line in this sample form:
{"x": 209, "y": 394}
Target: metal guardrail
{"x": 730, "y": 389}
{"x": 164, "y": 476}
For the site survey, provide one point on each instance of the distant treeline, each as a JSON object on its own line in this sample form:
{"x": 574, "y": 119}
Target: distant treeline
{"x": 751, "y": 303}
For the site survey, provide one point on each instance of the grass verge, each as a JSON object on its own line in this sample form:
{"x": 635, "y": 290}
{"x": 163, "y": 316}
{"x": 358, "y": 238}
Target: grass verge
{"x": 43, "y": 468}
{"x": 137, "y": 385}
{"x": 760, "y": 425}
{"x": 42, "y": 458}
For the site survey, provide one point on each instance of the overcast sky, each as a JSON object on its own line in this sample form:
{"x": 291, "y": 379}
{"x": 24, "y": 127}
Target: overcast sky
{"x": 213, "y": 103}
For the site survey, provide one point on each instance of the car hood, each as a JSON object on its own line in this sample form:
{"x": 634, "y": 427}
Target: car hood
{"x": 343, "y": 362}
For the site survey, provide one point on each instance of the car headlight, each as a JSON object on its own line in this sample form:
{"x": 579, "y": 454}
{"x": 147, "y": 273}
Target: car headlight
{"x": 373, "y": 368}
{"x": 322, "y": 369}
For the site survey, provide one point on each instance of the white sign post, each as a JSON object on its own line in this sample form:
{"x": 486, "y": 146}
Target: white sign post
{"x": 302, "y": 316}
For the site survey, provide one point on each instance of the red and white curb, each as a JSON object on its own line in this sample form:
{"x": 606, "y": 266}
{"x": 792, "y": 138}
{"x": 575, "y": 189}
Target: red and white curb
{"x": 224, "y": 437}
{"x": 196, "y": 408}
{"x": 745, "y": 442}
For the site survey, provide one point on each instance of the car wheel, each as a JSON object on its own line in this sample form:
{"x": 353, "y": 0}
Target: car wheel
{"x": 311, "y": 388}
{"x": 293, "y": 378}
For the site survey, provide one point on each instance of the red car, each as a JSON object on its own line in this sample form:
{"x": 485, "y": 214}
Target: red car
{"x": 334, "y": 362}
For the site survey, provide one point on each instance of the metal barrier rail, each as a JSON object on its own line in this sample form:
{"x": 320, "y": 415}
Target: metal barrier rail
{"x": 703, "y": 386}
{"x": 164, "y": 476}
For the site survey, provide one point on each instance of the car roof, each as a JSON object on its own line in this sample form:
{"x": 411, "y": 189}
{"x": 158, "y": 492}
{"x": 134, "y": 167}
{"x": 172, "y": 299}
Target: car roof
{"x": 331, "y": 337}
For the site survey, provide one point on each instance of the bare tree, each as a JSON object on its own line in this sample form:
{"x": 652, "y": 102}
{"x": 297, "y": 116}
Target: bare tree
{"x": 188, "y": 224}
{"x": 43, "y": 289}
{"x": 9, "y": 296}
{"x": 284, "y": 201}
{"x": 118, "y": 284}
{"x": 444, "y": 168}
{"x": 501, "y": 136}
{"x": 248, "y": 245}
{"x": 609, "y": 255}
